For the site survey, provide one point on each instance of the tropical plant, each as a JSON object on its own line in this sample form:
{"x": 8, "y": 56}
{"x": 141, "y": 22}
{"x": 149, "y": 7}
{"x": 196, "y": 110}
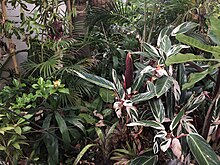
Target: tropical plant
{"x": 154, "y": 81}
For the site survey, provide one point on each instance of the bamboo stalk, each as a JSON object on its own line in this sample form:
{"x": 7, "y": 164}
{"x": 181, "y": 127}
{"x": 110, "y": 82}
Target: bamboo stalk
{"x": 12, "y": 46}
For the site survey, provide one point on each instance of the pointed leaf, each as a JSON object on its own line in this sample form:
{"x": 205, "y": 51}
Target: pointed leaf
{"x": 214, "y": 32}
{"x": 96, "y": 80}
{"x": 148, "y": 123}
{"x": 176, "y": 120}
{"x": 183, "y": 28}
{"x": 163, "y": 85}
{"x": 198, "y": 44}
{"x": 182, "y": 58}
{"x": 118, "y": 85}
{"x": 82, "y": 152}
{"x": 63, "y": 127}
{"x": 196, "y": 77}
{"x": 151, "y": 52}
{"x": 201, "y": 150}
{"x": 144, "y": 160}
{"x": 165, "y": 144}
{"x": 165, "y": 44}
{"x": 157, "y": 109}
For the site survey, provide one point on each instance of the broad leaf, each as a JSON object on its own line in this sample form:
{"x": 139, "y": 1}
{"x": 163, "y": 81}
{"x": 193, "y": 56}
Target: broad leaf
{"x": 214, "y": 32}
{"x": 196, "y": 77}
{"x": 144, "y": 160}
{"x": 143, "y": 96}
{"x": 176, "y": 120}
{"x": 96, "y": 80}
{"x": 176, "y": 49}
{"x": 157, "y": 109}
{"x": 165, "y": 144}
{"x": 165, "y": 44}
{"x": 148, "y": 123}
{"x": 182, "y": 58}
{"x": 164, "y": 32}
{"x": 62, "y": 127}
{"x": 151, "y": 51}
{"x": 107, "y": 95}
{"x": 196, "y": 43}
{"x": 201, "y": 150}
{"x": 183, "y": 28}
{"x": 163, "y": 85}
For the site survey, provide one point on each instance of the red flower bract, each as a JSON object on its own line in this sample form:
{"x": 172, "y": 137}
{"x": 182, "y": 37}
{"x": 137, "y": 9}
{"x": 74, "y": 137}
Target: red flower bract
{"x": 128, "y": 72}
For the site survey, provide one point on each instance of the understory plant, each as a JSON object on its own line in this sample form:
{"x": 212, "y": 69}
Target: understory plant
{"x": 156, "y": 98}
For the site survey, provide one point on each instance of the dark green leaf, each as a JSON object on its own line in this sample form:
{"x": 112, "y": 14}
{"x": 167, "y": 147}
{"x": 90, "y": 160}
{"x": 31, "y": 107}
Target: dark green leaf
{"x": 63, "y": 127}
{"x": 201, "y": 150}
{"x": 107, "y": 96}
{"x": 176, "y": 120}
{"x": 163, "y": 85}
{"x": 144, "y": 160}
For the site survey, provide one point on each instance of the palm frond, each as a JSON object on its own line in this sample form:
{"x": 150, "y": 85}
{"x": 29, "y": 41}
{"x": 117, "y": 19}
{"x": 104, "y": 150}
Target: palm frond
{"x": 114, "y": 12}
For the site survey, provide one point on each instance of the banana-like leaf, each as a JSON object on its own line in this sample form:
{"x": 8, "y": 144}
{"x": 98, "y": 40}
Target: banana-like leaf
{"x": 196, "y": 77}
{"x": 182, "y": 58}
{"x": 96, "y": 80}
{"x": 80, "y": 155}
{"x": 144, "y": 160}
{"x": 163, "y": 85}
{"x": 196, "y": 43}
{"x": 148, "y": 123}
{"x": 157, "y": 109}
{"x": 201, "y": 150}
{"x": 63, "y": 127}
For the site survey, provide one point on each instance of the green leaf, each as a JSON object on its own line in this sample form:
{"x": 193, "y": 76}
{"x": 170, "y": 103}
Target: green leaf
{"x": 16, "y": 145}
{"x": 201, "y": 150}
{"x": 88, "y": 118}
{"x": 196, "y": 43}
{"x": 144, "y": 160}
{"x": 80, "y": 155}
{"x": 196, "y": 77}
{"x": 183, "y": 28}
{"x": 143, "y": 96}
{"x": 107, "y": 96}
{"x": 64, "y": 90}
{"x": 63, "y": 127}
{"x": 18, "y": 130}
{"x": 157, "y": 109}
{"x": 176, "y": 119}
{"x": 148, "y": 123}
{"x": 163, "y": 85}
{"x": 4, "y": 129}
{"x": 100, "y": 134}
{"x": 182, "y": 58}
{"x": 2, "y": 148}
{"x": 214, "y": 32}
{"x": 96, "y": 80}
